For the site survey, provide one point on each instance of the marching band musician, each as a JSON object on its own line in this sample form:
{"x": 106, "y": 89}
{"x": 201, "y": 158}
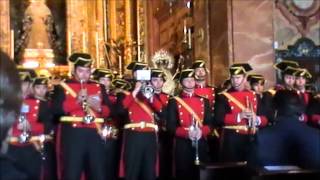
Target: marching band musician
{"x": 31, "y": 137}
{"x": 190, "y": 120}
{"x": 257, "y": 83}
{"x": 158, "y": 79}
{"x": 301, "y": 78}
{"x": 287, "y": 69}
{"x": 110, "y": 128}
{"x": 238, "y": 111}
{"x": 203, "y": 89}
{"x": 140, "y": 129}
{"x": 79, "y": 103}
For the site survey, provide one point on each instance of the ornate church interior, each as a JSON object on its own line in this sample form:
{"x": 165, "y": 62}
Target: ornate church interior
{"x": 226, "y": 38}
{"x": 43, "y": 33}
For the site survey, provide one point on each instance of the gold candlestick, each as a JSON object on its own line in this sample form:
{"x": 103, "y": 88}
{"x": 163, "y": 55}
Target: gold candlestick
{"x": 84, "y": 43}
{"x": 97, "y": 50}
{"x": 12, "y": 43}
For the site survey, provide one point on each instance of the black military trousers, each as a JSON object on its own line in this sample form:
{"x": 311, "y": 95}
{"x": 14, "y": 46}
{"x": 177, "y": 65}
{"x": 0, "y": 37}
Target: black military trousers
{"x": 165, "y": 155}
{"x": 112, "y": 151}
{"x": 185, "y": 155}
{"x": 235, "y": 146}
{"x": 82, "y": 151}
{"x": 28, "y": 159}
{"x": 140, "y": 155}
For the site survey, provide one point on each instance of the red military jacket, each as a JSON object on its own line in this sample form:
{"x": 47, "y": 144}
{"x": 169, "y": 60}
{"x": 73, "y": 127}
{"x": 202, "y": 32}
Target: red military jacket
{"x": 136, "y": 112}
{"x": 112, "y": 121}
{"x": 207, "y": 92}
{"x": 31, "y": 106}
{"x": 228, "y": 111}
{"x": 72, "y": 108}
{"x": 181, "y": 120}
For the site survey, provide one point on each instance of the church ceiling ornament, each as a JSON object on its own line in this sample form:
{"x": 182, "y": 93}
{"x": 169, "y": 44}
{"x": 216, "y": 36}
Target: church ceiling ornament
{"x": 303, "y": 14}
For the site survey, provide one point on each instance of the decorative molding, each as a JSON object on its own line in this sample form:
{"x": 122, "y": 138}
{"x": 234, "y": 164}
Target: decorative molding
{"x": 304, "y": 49}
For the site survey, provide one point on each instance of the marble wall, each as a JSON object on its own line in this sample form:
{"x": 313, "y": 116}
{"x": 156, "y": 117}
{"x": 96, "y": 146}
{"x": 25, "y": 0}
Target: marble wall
{"x": 251, "y": 35}
{"x": 5, "y": 40}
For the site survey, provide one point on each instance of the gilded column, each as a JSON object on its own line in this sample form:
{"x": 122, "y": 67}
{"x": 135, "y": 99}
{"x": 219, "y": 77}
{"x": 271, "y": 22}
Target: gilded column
{"x": 128, "y": 32}
{"x": 6, "y": 42}
{"x": 142, "y": 30}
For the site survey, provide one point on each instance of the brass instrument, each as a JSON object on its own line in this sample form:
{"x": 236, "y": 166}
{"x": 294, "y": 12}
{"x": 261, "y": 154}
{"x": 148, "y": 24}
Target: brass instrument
{"x": 24, "y": 125}
{"x": 252, "y": 121}
{"x": 88, "y": 118}
{"x": 194, "y": 128}
{"x": 147, "y": 89}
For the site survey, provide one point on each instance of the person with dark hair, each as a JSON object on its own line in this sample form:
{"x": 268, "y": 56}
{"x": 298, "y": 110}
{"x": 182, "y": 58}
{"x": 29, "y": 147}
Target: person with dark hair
{"x": 240, "y": 114}
{"x": 202, "y": 88}
{"x": 80, "y": 105}
{"x": 137, "y": 110}
{"x": 302, "y": 77}
{"x": 287, "y": 69}
{"x": 190, "y": 121}
{"x": 257, "y": 83}
{"x": 111, "y": 126}
{"x": 10, "y": 103}
{"x": 288, "y": 142}
{"x": 158, "y": 78}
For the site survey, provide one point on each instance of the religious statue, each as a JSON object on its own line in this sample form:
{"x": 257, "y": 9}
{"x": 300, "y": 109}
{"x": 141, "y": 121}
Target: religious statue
{"x": 163, "y": 60}
{"x": 38, "y": 29}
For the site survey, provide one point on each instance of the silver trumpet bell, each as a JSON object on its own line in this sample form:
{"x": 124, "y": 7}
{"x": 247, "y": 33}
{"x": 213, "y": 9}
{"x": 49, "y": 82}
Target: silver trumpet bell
{"x": 147, "y": 90}
{"x": 24, "y": 137}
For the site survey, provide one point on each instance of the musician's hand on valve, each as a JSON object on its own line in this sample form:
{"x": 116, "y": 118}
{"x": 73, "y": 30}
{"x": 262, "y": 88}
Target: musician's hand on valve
{"x": 246, "y": 114}
{"x": 137, "y": 88}
{"x": 82, "y": 95}
{"x": 94, "y": 102}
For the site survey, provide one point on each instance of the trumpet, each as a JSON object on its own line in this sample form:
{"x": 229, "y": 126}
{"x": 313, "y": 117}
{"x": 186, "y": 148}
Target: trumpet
{"x": 24, "y": 125}
{"x": 88, "y": 118}
{"x": 252, "y": 121}
{"x": 194, "y": 135}
{"x": 147, "y": 89}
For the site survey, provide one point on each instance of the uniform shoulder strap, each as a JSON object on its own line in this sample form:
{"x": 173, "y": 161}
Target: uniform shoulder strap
{"x": 189, "y": 109}
{"x": 234, "y": 100}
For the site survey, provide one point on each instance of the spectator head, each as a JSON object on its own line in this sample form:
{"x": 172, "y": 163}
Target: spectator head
{"x": 10, "y": 94}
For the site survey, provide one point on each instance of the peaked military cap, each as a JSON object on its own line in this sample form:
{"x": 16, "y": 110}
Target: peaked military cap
{"x": 137, "y": 66}
{"x": 99, "y": 73}
{"x": 198, "y": 64}
{"x": 240, "y": 68}
{"x": 283, "y": 65}
{"x": 290, "y": 70}
{"x": 40, "y": 81}
{"x": 27, "y": 74}
{"x": 81, "y": 59}
{"x": 256, "y": 78}
{"x": 185, "y": 73}
{"x": 121, "y": 84}
{"x": 302, "y": 72}
{"x": 157, "y": 73}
